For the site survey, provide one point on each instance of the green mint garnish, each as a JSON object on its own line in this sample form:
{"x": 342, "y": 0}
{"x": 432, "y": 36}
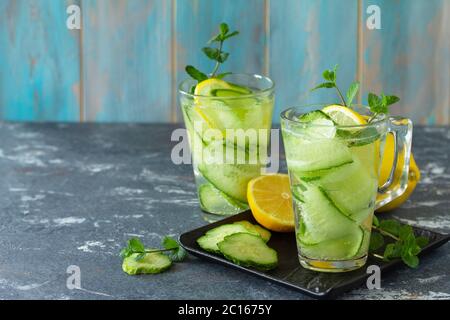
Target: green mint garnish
{"x": 406, "y": 246}
{"x": 330, "y": 77}
{"x": 176, "y": 252}
{"x": 214, "y": 53}
{"x": 377, "y": 104}
{"x": 380, "y": 104}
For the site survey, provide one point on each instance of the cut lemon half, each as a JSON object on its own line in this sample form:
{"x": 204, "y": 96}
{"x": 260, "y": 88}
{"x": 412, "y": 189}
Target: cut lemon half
{"x": 270, "y": 200}
{"x": 215, "y": 103}
{"x": 206, "y": 88}
{"x": 344, "y": 116}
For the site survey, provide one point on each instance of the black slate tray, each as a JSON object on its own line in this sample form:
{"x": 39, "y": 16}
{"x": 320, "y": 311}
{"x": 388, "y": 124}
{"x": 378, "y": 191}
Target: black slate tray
{"x": 290, "y": 273}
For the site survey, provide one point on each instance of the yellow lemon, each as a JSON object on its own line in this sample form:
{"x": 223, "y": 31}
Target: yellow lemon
{"x": 344, "y": 116}
{"x": 270, "y": 200}
{"x": 386, "y": 165}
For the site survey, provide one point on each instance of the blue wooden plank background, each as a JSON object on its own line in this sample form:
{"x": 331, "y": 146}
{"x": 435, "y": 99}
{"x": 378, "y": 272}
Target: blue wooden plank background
{"x": 39, "y": 62}
{"x": 127, "y": 60}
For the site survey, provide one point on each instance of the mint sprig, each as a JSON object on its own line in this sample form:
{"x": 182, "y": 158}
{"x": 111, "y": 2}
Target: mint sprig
{"x": 176, "y": 252}
{"x": 330, "y": 76}
{"x": 214, "y": 53}
{"x": 405, "y": 246}
{"x": 380, "y": 104}
{"x": 377, "y": 104}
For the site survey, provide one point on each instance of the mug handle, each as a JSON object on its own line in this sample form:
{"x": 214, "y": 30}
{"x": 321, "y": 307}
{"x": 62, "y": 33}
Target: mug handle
{"x": 401, "y": 129}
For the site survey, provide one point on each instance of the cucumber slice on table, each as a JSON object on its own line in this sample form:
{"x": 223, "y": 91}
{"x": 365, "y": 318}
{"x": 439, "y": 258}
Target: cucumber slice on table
{"x": 217, "y": 202}
{"x": 264, "y": 233}
{"x": 248, "y": 251}
{"x": 323, "y": 221}
{"x": 155, "y": 262}
{"x": 211, "y": 238}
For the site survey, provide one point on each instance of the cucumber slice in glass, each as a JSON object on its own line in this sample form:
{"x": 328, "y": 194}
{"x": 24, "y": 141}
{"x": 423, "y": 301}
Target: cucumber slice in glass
{"x": 229, "y": 178}
{"x": 322, "y": 219}
{"x": 343, "y": 248}
{"x": 214, "y": 201}
{"x": 316, "y": 155}
{"x": 352, "y": 189}
{"x": 248, "y": 251}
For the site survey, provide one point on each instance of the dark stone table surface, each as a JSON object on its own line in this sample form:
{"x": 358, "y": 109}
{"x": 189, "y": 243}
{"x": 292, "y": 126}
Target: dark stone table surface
{"x": 72, "y": 194}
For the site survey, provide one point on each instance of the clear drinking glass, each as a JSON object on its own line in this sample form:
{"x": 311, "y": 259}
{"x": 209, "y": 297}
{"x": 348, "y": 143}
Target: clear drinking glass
{"x": 333, "y": 173}
{"x": 228, "y": 136}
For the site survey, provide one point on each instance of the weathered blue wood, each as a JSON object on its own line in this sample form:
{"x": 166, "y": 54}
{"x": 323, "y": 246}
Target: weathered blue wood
{"x": 127, "y": 60}
{"x": 307, "y": 37}
{"x": 39, "y": 62}
{"x": 198, "y": 20}
{"x": 410, "y": 57}
{"x": 133, "y": 54}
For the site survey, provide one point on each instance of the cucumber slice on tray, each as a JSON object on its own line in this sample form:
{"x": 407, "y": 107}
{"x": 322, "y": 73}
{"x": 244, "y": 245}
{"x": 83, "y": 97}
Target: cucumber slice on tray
{"x": 248, "y": 250}
{"x": 241, "y": 242}
{"x": 211, "y": 238}
{"x": 264, "y": 233}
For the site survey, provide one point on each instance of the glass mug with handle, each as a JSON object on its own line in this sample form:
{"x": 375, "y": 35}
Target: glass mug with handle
{"x": 334, "y": 168}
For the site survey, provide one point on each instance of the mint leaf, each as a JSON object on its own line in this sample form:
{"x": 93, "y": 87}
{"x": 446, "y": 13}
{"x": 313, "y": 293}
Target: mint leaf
{"x": 224, "y": 28}
{"x": 376, "y": 241}
{"x": 211, "y": 53}
{"x": 405, "y": 233}
{"x": 336, "y": 66}
{"x": 169, "y": 243}
{"x": 373, "y": 100}
{"x": 324, "y": 85}
{"x": 222, "y": 75}
{"x": 351, "y": 92}
{"x": 389, "y": 251}
{"x": 411, "y": 260}
{"x": 232, "y": 34}
{"x": 125, "y": 252}
{"x": 216, "y": 38}
{"x": 422, "y": 242}
{"x": 136, "y": 245}
{"x": 375, "y": 221}
{"x": 223, "y": 57}
{"x": 195, "y": 73}
{"x": 388, "y": 100}
{"x": 177, "y": 252}
{"x": 391, "y": 226}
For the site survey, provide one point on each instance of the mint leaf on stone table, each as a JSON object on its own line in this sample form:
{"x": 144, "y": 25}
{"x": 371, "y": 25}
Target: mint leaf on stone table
{"x": 175, "y": 252}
